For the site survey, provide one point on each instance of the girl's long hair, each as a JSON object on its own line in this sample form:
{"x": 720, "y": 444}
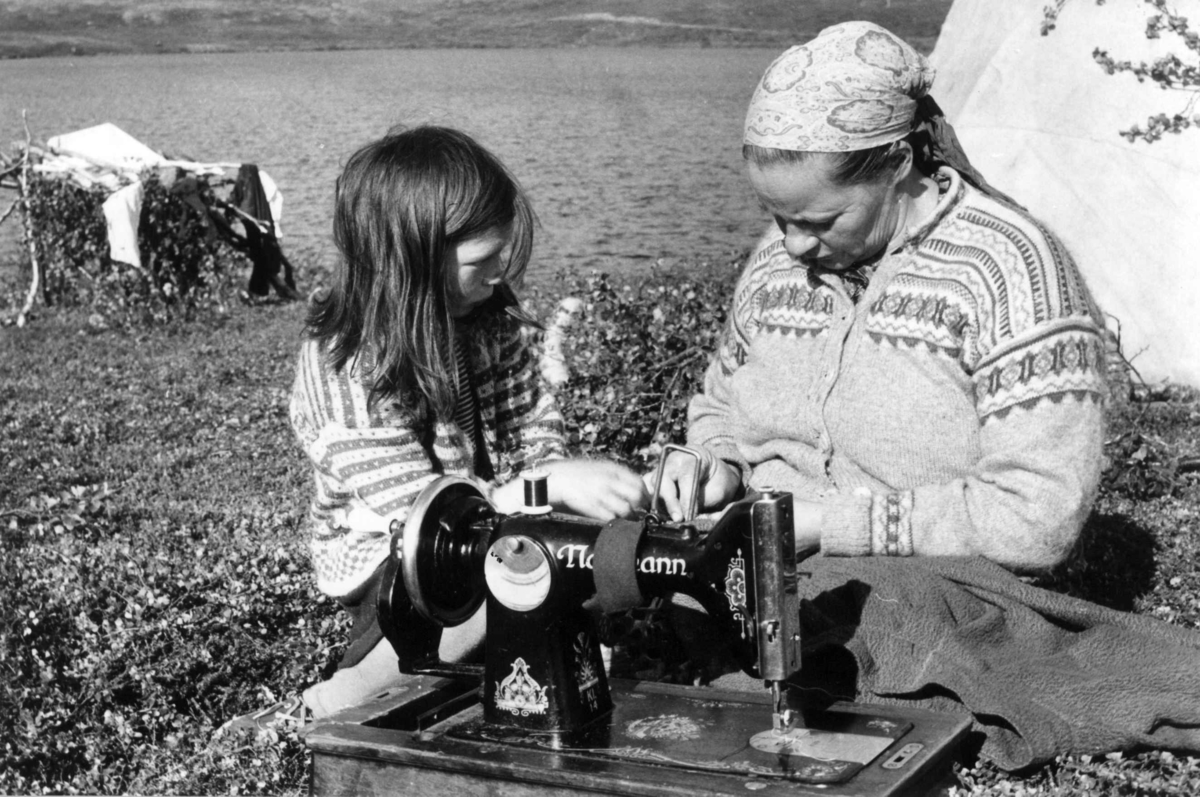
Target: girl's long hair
{"x": 402, "y": 203}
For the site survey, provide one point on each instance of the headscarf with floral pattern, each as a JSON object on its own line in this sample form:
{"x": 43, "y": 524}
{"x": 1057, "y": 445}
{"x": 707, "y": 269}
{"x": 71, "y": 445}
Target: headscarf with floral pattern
{"x": 853, "y": 87}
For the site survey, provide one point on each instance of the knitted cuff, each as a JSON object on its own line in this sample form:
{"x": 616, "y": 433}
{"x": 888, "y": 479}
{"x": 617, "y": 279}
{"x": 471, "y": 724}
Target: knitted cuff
{"x": 847, "y": 525}
{"x": 725, "y": 450}
{"x": 891, "y": 524}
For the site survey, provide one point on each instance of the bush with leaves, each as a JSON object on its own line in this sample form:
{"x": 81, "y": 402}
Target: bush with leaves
{"x": 638, "y": 355}
{"x": 149, "y": 592}
{"x": 186, "y": 268}
{"x": 70, "y": 238}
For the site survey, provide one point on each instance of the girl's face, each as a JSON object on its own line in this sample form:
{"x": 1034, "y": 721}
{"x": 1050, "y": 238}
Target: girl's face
{"x": 474, "y": 268}
{"x": 825, "y": 224}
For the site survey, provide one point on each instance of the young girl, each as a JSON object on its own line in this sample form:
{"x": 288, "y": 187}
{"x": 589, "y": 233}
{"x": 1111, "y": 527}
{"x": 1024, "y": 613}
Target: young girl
{"x": 414, "y": 366}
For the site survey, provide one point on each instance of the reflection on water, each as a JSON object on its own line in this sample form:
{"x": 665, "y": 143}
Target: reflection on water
{"x": 630, "y": 155}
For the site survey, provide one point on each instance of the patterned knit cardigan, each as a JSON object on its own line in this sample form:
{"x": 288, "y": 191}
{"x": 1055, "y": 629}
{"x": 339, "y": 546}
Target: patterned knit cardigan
{"x": 955, "y": 409}
{"x": 376, "y": 458}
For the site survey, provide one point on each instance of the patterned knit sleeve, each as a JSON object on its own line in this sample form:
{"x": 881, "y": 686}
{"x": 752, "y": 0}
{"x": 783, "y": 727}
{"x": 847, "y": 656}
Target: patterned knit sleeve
{"x": 708, "y": 411}
{"x": 1034, "y": 355}
{"x": 374, "y": 452}
{"x": 528, "y": 426}
{"x": 362, "y": 458}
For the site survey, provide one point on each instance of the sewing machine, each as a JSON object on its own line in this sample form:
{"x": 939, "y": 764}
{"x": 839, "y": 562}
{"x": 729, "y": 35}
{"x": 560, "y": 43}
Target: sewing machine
{"x": 541, "y": 716}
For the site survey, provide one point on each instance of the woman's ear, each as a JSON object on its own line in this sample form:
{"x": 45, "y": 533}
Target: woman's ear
{"x": 902, "y": 161}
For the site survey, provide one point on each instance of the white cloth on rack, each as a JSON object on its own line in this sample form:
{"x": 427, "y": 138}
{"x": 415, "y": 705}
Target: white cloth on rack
{"x": 122, "y": 211}
{"x": 274, "y": 200}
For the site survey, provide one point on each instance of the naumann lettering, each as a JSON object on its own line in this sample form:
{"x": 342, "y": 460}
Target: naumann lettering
{"x": 582, "y": 556}
{"x": 577, "y": 555}
{"x": 663, "y": 565}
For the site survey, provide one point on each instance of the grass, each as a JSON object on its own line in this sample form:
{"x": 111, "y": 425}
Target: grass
{"x": 154, "y": 579}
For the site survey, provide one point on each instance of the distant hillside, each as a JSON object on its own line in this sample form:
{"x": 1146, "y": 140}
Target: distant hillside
{"x": 30, "y": 28}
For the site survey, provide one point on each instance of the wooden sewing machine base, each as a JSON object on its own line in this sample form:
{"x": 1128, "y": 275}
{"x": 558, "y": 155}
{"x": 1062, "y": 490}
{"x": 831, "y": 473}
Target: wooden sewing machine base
{"x": 428, "y": 738}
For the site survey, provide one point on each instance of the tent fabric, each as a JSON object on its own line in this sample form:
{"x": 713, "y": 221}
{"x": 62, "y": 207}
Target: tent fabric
{"x": 1041, "y": 119}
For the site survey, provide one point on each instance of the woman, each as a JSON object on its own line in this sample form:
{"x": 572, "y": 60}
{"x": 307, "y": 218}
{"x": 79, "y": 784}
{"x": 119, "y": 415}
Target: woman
{"x": 917, "y": 360}
{"x": 910, "y": 353}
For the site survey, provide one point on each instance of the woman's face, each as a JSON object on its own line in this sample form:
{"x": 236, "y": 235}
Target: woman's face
{"x": 825, "y": 224}
{"x": 474, "y": 268}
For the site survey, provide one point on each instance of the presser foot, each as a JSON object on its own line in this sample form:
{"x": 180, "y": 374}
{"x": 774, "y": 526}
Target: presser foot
{"x": 782, "y": 721}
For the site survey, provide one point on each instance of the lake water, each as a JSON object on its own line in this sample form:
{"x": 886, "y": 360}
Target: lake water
{"x": 629, "y": 155}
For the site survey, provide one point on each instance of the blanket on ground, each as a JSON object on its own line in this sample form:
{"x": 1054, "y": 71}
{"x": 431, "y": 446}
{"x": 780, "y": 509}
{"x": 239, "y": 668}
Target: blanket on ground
{"x": 1041, "y": 673}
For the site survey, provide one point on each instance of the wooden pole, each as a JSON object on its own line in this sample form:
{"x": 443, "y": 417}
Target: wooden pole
{"x": 16, "y": 202}
{"x": 27, "y": 226}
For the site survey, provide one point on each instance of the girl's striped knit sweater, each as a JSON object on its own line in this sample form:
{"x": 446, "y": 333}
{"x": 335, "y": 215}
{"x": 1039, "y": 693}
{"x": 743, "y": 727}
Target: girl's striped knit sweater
{"x": 378, "y": 459}
{"x": 955, "y": 409}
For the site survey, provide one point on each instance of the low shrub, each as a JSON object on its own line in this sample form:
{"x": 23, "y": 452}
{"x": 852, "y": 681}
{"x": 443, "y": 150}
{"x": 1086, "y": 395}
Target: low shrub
{"x": 154, "y": 580}
{"x": 637, "y": 354}
{"x": 186, "y": 267}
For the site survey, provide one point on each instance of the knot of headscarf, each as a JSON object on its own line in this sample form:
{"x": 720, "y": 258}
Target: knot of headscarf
{"x": 853, "y": 87}
{"x": 939, "y": 145}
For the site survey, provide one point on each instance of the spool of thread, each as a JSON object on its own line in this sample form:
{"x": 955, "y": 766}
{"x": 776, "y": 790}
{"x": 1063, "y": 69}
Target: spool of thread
{"x": 537, "y": 495}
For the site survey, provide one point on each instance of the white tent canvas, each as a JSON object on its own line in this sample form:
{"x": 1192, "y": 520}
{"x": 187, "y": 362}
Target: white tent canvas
{"x": 1040, "y": 119}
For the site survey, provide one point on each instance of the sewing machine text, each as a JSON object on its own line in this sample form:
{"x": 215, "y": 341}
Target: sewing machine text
{"x": 582, "y": 556}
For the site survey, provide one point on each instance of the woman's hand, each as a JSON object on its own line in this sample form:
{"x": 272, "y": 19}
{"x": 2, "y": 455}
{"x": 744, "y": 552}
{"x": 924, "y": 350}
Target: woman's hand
{"x": 720, "y": 483}
{"x": 591, "y": 487}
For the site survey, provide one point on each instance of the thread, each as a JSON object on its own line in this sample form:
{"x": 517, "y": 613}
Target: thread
{"x": 537, "y": 494}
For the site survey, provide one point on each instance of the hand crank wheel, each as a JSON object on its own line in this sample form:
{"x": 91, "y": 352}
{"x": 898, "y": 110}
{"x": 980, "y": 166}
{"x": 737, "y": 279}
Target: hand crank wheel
{"x": 442, "y": 547}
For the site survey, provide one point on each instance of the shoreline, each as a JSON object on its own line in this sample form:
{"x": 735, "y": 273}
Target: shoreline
{"x": 206, "y": 49}
{"x": 62, "y": 50}
{"x": 56, "y": 28}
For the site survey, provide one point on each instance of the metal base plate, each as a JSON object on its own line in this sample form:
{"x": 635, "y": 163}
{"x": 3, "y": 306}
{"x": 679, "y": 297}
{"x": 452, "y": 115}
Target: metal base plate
{"x": 694, "y": 731}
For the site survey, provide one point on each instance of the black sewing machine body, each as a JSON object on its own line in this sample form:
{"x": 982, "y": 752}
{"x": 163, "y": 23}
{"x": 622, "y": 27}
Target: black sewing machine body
{"x": 541, "y": 713}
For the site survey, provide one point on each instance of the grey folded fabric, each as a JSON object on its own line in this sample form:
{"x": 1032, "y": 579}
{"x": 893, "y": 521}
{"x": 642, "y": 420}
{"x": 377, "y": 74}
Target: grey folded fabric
{"x": 1041, "y": 673}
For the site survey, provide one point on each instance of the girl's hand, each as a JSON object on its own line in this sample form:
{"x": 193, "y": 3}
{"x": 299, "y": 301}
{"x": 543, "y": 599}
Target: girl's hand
{"x": 590, "y": 487}
{"x": 595, "y": 488}
{"x": 720, "y": 483}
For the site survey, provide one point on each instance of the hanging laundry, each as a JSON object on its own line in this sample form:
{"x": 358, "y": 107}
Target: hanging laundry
{"x": 249, "y": 199}
{"x": 274, "y": 199}
{"x": 187, "y": 189}
{"x": 122, "y": 212}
